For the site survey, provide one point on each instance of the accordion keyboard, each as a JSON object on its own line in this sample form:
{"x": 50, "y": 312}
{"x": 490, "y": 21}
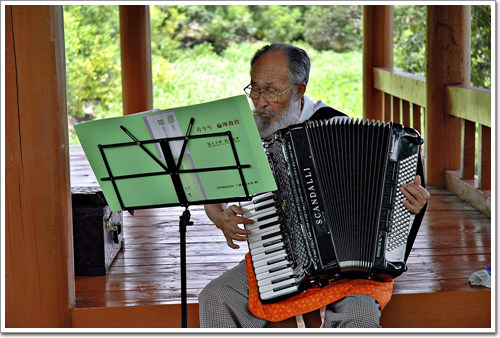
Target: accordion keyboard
{"x": 273, "y": 270}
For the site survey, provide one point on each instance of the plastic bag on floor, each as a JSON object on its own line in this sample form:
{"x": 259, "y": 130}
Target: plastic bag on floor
{"x": 482, "y": 277}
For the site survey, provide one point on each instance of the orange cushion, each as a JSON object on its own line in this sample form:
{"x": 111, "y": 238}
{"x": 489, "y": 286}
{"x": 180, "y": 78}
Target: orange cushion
{"x": 313, "y": 298}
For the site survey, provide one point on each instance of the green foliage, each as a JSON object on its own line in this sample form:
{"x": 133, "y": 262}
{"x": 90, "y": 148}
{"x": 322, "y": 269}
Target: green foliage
{"x": 93, "y": 75}
{"x": 335, "y": 28}
{"x": 410, "y": 42}
{"x": 410, "y": 38}
{"x": 278, "y": 23}
{"x": 481, "y": 46}
{"x": 201, "y": 52}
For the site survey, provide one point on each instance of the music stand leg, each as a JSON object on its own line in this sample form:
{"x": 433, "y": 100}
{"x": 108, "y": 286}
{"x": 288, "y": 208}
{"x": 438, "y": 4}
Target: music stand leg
{"x": 184, "y": 221}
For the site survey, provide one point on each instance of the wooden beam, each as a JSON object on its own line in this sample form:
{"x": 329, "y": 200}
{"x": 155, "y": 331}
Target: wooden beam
{"x": 448, "y": 63}
{"x": 39, "y": 277}
{"x": 401, "y": 84}
{"x": 135, "y": 42}
{"x": 484, "y": 158}
{"x": 469, "y": 103}
{"x": 377, "y": 52}
{"x": 144, "y": 316}
{"x": 468, "y": 161}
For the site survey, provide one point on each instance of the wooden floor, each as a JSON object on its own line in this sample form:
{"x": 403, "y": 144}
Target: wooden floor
{"x": 454, "y": 241}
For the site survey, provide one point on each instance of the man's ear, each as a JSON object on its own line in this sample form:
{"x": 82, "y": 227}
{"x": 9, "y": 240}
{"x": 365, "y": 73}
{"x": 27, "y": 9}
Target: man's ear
{"x": 301, "y": 89}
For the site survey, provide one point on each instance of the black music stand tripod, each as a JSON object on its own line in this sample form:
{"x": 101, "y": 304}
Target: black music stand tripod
{"x": 173, "y": 170}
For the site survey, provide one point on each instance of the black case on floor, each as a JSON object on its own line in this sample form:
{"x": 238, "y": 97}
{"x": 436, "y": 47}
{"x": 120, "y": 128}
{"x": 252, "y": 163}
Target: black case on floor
{"x": 97, "y": 232}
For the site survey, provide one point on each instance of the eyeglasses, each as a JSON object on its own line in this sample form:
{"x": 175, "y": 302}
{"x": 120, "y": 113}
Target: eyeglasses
{"x": 269, "y": 95}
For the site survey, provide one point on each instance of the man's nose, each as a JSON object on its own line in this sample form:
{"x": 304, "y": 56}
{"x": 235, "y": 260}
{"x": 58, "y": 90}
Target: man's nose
{"x": 261, "y": 102}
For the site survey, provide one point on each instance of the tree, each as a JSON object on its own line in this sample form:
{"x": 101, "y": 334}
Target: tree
{"x": 481, "y": 46}
{"x": 92, "y": 43}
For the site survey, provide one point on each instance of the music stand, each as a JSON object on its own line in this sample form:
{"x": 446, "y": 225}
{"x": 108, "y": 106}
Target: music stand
{"x": 173, "y": 170}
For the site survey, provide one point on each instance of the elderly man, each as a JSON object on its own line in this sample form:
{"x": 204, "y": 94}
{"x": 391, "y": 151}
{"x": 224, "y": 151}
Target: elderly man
{"x": 279, "y": 76}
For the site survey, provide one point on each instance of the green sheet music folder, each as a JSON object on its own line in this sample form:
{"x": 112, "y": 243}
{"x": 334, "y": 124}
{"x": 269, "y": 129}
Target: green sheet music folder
{"x": 141, "y": 177}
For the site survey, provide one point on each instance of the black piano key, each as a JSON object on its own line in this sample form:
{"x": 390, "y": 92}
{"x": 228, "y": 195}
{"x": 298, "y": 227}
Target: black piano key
{"x": 277, "y": 260}
{"x": 277, "y": 241}
{"x": 265, "y": 206}
{"x": 263, "y": 199}
{"x": 278, "y": 268}
{"x": 286, "y": 286}
{"x": 267, "y": 225}
{"x": 271, "y": 235}
{"x": 263, "y": 218}
{"x": 267, "y": 252}
{"x": 281, "y": 279}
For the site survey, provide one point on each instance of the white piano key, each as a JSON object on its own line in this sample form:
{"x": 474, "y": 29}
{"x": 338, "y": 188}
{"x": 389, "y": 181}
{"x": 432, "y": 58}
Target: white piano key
{"x": 275, "y": 278}
{"x": 258, "y": 234}
{"x": 269, "y": 248}
{"x": 261, "y": 224}
{"x": 271, "y": 287}
{"x": 273, "y": 294}
{"x": 266, "y": 243}
{"x": 265, "y": 204}
{"x": 257, "y": 198}
{"x": 266, "y": 256}
{"x": 256, "y": 214}
{"x": 266, "y": 268}
{"x": 266, "y": 275}
{"x": 263, "y": 262}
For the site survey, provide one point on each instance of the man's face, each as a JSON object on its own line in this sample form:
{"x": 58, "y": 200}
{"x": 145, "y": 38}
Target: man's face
{"x": 270, "y": 72}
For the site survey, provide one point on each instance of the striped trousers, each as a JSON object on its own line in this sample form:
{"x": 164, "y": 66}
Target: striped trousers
{"x": 224, "y": 304}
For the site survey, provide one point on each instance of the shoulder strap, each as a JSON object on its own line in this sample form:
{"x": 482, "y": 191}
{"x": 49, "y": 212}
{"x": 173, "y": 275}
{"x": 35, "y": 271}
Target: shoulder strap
{"x": 326, "y": 113}
{"x": 419, "y": 217}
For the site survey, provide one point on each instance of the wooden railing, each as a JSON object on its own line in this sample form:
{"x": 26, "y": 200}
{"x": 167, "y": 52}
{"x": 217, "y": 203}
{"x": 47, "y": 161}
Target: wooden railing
{"x": 404, "y": 101}
{"x": 403, "y": 96}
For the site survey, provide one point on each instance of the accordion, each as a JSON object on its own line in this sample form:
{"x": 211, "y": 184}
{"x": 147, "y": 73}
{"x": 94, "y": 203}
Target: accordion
{"x": 338, "y": 211}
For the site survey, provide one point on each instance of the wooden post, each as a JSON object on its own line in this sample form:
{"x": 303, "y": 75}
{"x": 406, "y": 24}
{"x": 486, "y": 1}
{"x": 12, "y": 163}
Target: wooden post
{"x": 378, "y": 22}
{"x": 39, "y": 274}
{"x": 135, "y": 41}
{"x": 448, "y": 63}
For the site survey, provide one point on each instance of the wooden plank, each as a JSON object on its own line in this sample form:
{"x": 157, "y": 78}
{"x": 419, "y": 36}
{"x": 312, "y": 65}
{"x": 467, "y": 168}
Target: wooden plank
{"x": 403, "y": 85}
{"x": 38, "y": 232}
{"x": 444, "y": 310}
{"x": 481, "y": 200}
{"x": 469, "y": 103}
{"x": 439, "y": 310}
{"x": 396, "y": 109}
{"x": 387, "y": 107}
{"x": 416, "y": 117}
{"x": 406, "y": 113}
{"x": 146, "y": 316}
{"x": 468, "y": 169}
{"x": 484, "y": 158}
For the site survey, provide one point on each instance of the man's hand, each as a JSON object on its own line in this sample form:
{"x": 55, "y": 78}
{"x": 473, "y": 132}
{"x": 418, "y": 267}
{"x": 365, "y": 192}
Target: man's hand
{"x": 227, "y": 220}
{"x": 416, "y": 195}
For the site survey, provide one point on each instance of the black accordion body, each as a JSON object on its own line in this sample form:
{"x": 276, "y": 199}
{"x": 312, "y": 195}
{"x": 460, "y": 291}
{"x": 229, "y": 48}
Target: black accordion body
{"x": 338, "y": 212}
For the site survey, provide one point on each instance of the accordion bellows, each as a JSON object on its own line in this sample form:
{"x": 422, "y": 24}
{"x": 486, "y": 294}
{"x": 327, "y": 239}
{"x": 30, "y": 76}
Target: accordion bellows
{"x": 339, "y": 204}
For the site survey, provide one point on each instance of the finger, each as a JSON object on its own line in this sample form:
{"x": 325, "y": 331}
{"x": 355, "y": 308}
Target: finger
{"x": 410, "y": 207}
{"x": 240, "y": 231}
{"x": 236, "y": 209}
{"x": 230, "y": 244}
{"x": 409, "y": 193}
{"x": 414, "y": 190}
{"x": 237, "y": 237}
{"x": 417, "y": 180}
